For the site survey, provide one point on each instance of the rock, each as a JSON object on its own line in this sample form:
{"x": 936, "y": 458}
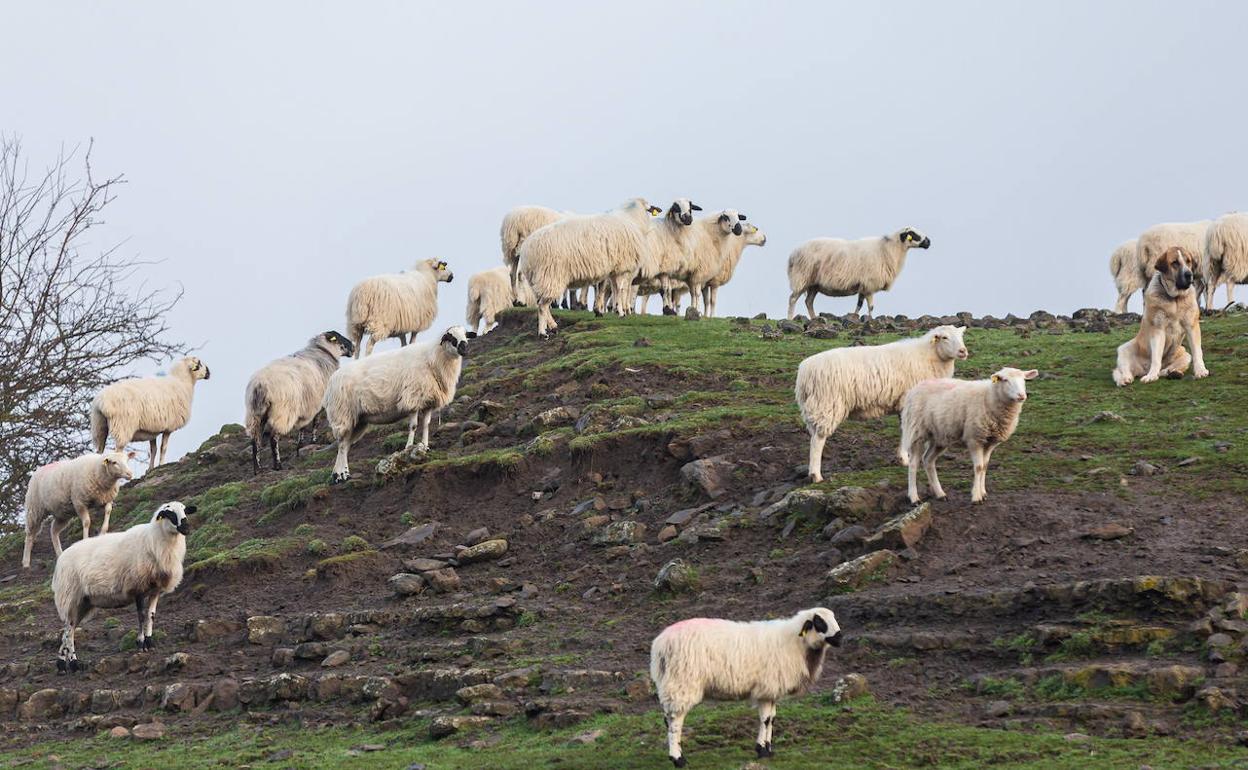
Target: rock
{"x": 707, "y": 443}
{"x": 682, "y": 517}
{"x": 1219, "y": 640}
{"x": 119, "y": 732}
{"x": 1076, "y": 737}
{"x": 1216, "y": 699}
{"x": 1174, "y": 682}
{"x": 585, "y": 739}
{"x": 590, "y": 523}
{"x": 444, "y": 581}
{"x": 1134, "y": 725}
{"x": 178, "y": 697}
{"x": 1187, "y": 461}
{"x": 478, "y": 535}
{"x": 407, "y": 584}
{"x": 668, "y": 532}
{"x": 209, "y": 630}
{"x": 1104, "y": 417}
{"x": 412, "y": 537}
{"x": 692, "y": 314}
{"x": 852, "y": 575}
{"x": 624, "y": 532}
{"x": 335, "y": 659}
{"x": 997, "y": 709}
{"x": 1111, "y": 531}
{"x": 423, "y": 565}
{"x": 903, "y": 531}
{"x": 42, "y": 704}
{"x": 444, "y": 726}
{"x": 225, "y": 695}
{"x": 148, "y": 731}
{"x": 478, "y": 692}
{"x": 711, "y": 475}
{"x": 1144, "y": 468}
{"x": 851, "y": 535}
{"x": 490, "y": 549}
{"x": 849, "y": 503}
{"x": 676, "y": 577}
{"x": 327, "y": 625}
{"x": 849, "y": 687}
{"x": 551, "y": 418}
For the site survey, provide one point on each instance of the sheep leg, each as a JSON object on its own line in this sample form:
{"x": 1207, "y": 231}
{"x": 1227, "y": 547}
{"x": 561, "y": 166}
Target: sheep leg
{"x": 108, "y": 511}
{"x": 298, "y": 443}
{"x": 1121, "y": 305}
{"x": 164, "y": 445}
{"x": 57, "y": 526}
{"x": 622, "y": 288}
{"x": 793, "y": 302}
{"x": 814, "y": 465}
{"x": 930, "y": 455}
{"x": 341, "y": 471}
{"x": 1230, "y": 292}
{"x": 810, "y": 302}
{"x": 766, "y": 715}
{"x": 425, "y": 417}
{"x": 151, "y": 453}
{"x": 675, "y": 724}
{"x": 912, "y": 473}
{"x": 67, "y": 656}
{"x": 255, "y": 456}
{"x": 706, "y": 300}
{"x": 372, "y": 340}
{"x": 1209, "y": 289}
{"x": 710, "y": 311}
{"x": 148, "y": 620}
{"x": 357, "y": 338}
{"x": 979, "y": 461}
{"x": 276, "y": 451}
{"x": 84, "y": 515}
{"x": 870, "y": 306}
{"x": 26, "y": 549}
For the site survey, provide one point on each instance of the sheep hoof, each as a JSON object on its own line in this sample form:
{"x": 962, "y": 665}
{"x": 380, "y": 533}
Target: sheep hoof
{"x": 680, "y": 761}
{"x": 339, "y": 478}
{"x": 669, "y": 311}
{"x": 763, "y": 750}
{"x": 75, "y": 666}
{"x": 517, "y": 303}
{"x": 422, "y": 447}
{"x": 61, "y": 666}
{"x": 147, "y": 644}
{"x": 597, "y": 313}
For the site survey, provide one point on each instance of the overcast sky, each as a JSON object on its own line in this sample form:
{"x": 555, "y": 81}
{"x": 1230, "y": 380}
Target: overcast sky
{"x": 277, "y": 152}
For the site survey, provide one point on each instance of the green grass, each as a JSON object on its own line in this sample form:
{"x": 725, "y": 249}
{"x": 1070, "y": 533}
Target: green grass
{"x": 254, "y": 553}
{"x": 292, "y": 493}
{"x": 809, "y": 734}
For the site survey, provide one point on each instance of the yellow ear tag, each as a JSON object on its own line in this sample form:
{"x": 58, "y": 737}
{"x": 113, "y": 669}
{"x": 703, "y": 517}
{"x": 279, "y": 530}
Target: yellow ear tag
{"x": 996, "y": 378}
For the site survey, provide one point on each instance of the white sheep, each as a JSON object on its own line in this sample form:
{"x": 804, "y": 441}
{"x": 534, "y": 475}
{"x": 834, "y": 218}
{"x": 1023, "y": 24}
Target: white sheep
{"x": 584, "y": 249}
{"x": 410, "y": 383}
{"x": 395, "y": 304}
{"x": 712, "y": 237}
{"x": 763, "y": 660}
{"x": 285, "y": 395}
{"x": 1128, "y": 278}
{"x": 62, "y": 489}
{"x": 113, "y": 570}
{"x": 1153, "y": 242}
{"x": 840, "y": 268}
{"x": 518, "y": 224}
{"x": 142, "y": 408}
{"x": 490, "y": 293}
{"x": 942, "y": 413}
{"x": 751, "y": 236}
{"x": 1225, "y": 255}
{"x": 671, "y": 247}
{"x": 868, "y": 381}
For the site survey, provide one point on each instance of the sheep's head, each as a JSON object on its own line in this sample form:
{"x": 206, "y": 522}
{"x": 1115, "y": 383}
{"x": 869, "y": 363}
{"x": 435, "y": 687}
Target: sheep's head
{"x": 948, "y": 342}
{"x": 332, "y": 339}
{"x": 171, "y": 518}
{"x": 730, "y": 222}
{"x": 440, "y": 270}
{"x": 682, "y": 211}
{"x": 455, "y": 341}
{"x": 1175, "y": 268}
{"x": 1011, "y": 384}
{"x": 913, "y": 239}
{"x": 197, "y": 368}
{"x": 117, "y": 465}
{"x": 754, "y": 236}
{"x": 819, "y": 628}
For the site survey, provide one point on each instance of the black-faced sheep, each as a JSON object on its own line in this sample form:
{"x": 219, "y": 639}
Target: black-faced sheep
{"x": 840, "y": 268}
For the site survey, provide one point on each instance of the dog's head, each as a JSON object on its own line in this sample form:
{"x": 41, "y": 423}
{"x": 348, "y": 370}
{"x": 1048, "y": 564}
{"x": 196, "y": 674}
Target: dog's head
{"x": 1175, "y": 268}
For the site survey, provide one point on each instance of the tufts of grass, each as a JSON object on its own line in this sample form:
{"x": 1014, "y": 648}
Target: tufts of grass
{"x": 292, "y": 493}
{"x": 255, "y": 554}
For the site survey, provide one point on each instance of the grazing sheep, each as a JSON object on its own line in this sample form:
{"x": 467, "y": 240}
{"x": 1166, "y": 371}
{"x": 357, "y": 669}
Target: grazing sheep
{"x": 396, "y": 304}
{"x": 868, "y": 381}
{"x": 763, "y": 660}
{"x": 62, "y": 489}
{"x": 840, "y": 268}
{"x": 285, "y": 396}
{"x": 712, "y": 238}
{"x": 141, "y": 409}
{"x": 671, "y": 243}
{"x": 113, "y": 570}
{"x": 518, "y": 224}
{"x": 411, "y": 383}
{"x": 1153, "y": 242}
{"x": 1226, "y": 255}
{"x": 490, "y": 293}
{"x": 1127, "y": 277}
{"x": 942, "y": 413}
{"x": 751, "y": 236}
{"x": 583, "y": 249}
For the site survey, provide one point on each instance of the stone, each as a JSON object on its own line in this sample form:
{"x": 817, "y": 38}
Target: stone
{"x": 119, "y": 732}
{"x": 478, "y": 692}
{"x": 1219, "y": 640}
{"x": 849, "y": 687}
{"x": 1174, "y": 682}
{"x": 997, "y": 709}
{"x": 1216, "y": 699}
{"x": 1144, "y": 468}
{"x": 178, "y": 697}
{"x": 327, "y": 625}
{"x": 903, "y": 531}
{"x": 407, "y": 584}
{"x": 551, "y": 418}
{"x": 585, "y": 739}
{"x": 444, "y": 726}
{"x": 412, "y": 537}
{"x": 225, "y": 695}
{"x": 707, "y": 443}
{"x": 1105, "y": 417}
{"x": 1111, "y": 531}
{"x": 214, "y": 629}
{"x": 265, "y": 629}
{"x": 855, "y": 534}
{"x": 423, "y": 565}
{"x": 444, "y": 580}
{"x": 478, "y": 535}
{"x": 855, "y": 574}
{"x": 682, "y": 517}
{"x": 590, "y": 523}
{"x": 335, "y": 659}
{"x": 711, "y": 475}
{"x": 485, "y": 551}
{"x": 310, "y": 650}
{"x": 626, "y": 532}
{"x": 149, "y": 731}
{"x": 42, "y": 704}
{"x": 668, "y": 532}
{"x": 676, "y": 577}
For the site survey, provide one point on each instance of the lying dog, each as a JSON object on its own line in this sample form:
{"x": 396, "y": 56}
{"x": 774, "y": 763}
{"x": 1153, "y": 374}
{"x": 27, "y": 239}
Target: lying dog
{"x": 1170, "y": 311}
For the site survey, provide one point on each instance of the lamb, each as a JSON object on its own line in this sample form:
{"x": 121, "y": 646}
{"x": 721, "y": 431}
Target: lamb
{"x": 142, "y": 408}
{"x": 396, "y": 304}
{"x": 113, "y": 570}
{"x": 1128, "y": 278}
{"x": 1153, "y": 242}
{"x": 712, "y": 236}
{"x": 62, "y": 489}
{"x": 285, "y": 396}
{"x": 490, "y": 293}
{"x": 1226, "y": 255}
{"x": 762, "y": 660}
{"x": 868, "y": 381}
{"x": 518, "y": 224}
{"x": 583, "y": 249}
{"x": 980, "y": 415}
{"x": 840, "y": 268}
{"x": 751, "y": 236}
{"x": 671, "y": 247}
{"x": 411, "y": 383}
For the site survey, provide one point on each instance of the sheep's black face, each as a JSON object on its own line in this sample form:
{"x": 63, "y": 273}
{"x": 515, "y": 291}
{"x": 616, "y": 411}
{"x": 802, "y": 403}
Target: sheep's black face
{"x": 682, "y": 211}
{"x": 914, "y": 239}
{"x": 821, "y": 630}
{"x": 457, "y": 339}
{"x": 175, "y": 513}
{"x": 345, "y": 346}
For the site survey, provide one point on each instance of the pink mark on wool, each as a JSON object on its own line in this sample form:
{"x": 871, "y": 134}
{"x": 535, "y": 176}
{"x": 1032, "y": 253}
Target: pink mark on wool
{"x": 942, "y": 383}
{"x": 49, "y": 465}
{"x": 694, "y": 623}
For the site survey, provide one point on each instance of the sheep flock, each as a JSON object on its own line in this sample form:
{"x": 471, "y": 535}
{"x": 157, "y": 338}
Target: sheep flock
{"x": 671, "y": 247}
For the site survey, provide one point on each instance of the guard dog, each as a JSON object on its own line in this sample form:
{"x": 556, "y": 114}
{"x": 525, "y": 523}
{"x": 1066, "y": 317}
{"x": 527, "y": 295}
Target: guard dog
{"x": 1170, "y": 311}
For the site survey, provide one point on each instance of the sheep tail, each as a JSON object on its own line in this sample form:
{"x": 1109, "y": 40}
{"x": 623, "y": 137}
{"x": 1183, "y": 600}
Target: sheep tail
{"x": 99, "y": 428}
{"x": 473, "y": 313}
{"x": 257, "y": 410}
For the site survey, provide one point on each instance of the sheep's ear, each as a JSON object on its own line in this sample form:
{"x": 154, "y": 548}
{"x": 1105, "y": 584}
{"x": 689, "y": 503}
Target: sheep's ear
{"x": 741, "y": 216}
{"x": 1030, "y": 374}
{"x": 723, "y": 217}
{"x": 806, "y": 628}
{"x": 471, "y": 335}
{"x": 996, "y": 378}
{"x": 448, "y": 337}
{"x": 188, "y": 510}
{"x": 694, "y": 207}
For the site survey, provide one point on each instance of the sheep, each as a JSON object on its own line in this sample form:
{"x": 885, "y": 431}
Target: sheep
{"x": 285, "y": 396}
{"x": 840, "y": 268}
{"x": 1153, "y": 242}
{"x": 868, "y": 381}
{"x": 1226, "y": 255}
{"x": 582, "y": 249}
{"x": 113, "y": 570}
{"x": 518, "y": 224}
{"x": 395, "y": 304}
{"x": 763, "y": 660}
{"x": 409, "y": 383}
{"x": 712, "y": 236}
{"x": 751, "y": 236}
{"x": 143, "y": 408}
{"x": 490, "y": 293}
{"x": 62, "y": 489}
{"x": 671, "y": 244}
{"x": 1127, "y": 277}
{"x": 979, "y": 414}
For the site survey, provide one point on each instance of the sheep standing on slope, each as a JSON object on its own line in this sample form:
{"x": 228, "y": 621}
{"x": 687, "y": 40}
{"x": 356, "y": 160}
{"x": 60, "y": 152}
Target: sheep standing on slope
{"x": 751, "y": 236}
{"x": 585, "y": 249}
{"x": 141, "y": 409}
{"x": 840, "y": 268}
{"x": 113, "y": 570}
{"x": 980, "y": 415}
{"x": 411, "y": 383}
{"x": 490, "y": 293}
{"x": 711, "y": 238}
{"x": 671, "y": 241}
{"x": 1153, "y": 242}
{"x": 396, "y": 304}
{"x": 285, "y": 396}
{"x": 1226, "y": 255}
{"x": 61, "y": 490}
{"x": 1128, "y": 278}
{"x": 518, "y": 224}
{"x": 868, "y": 381}
{"x": 763, "y": 661}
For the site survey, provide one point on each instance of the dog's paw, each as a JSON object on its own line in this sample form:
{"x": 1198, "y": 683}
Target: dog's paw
{"x": 1201, "y": 373}
{"x": 1149, "y": 378}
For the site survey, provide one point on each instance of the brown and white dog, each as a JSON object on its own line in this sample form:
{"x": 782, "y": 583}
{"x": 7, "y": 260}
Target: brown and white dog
{"x": 1170, "y": 311}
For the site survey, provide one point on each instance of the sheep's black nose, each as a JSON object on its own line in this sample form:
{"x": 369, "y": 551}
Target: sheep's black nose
{"x": 834, "y": 639}
{"x": 184, "y": 528}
